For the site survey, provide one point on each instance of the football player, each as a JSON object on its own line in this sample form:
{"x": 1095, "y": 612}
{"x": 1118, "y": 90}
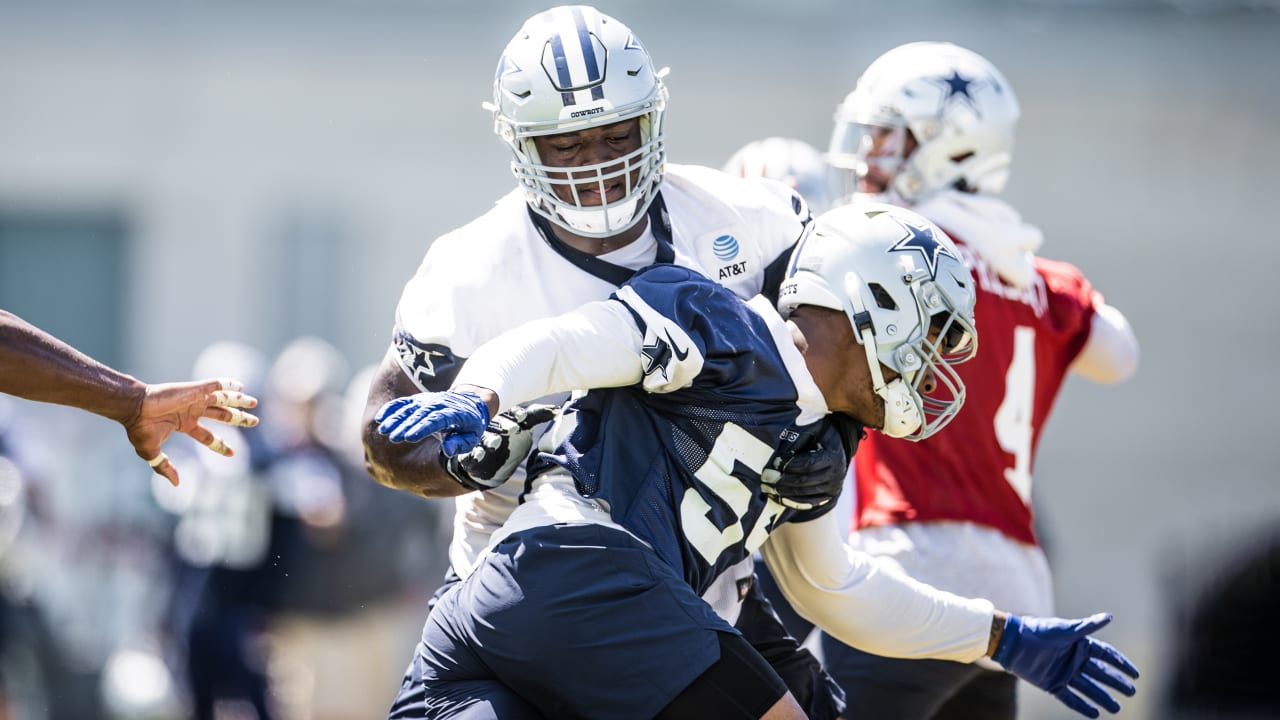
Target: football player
{"x": 931, "y": 126}
{"x": 38, "y": 366}
{"x": 791, "y": 161}
{"x": 580, "y": 104}
{"x": 586, "y": 603}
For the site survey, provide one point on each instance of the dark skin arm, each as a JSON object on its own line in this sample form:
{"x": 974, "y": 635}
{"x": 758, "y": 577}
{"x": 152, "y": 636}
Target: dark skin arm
{"x": 412, "y": 467}
{"x": 997, "y": 631}
{"x": 38, "y": 366}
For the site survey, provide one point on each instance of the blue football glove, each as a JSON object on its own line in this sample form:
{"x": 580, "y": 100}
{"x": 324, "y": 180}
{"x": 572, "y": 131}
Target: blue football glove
{"x": 1059, "y": 657}
{"x": 459, "y": 418}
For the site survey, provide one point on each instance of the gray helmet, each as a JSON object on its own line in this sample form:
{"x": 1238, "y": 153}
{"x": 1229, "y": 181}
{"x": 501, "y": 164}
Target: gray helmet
{"x": 896, "y": 276}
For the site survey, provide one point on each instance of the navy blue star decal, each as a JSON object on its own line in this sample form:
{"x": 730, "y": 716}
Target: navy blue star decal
{"x": 958, "y": 86}
{"x": 920, "y": 238}
{"x": 425, "y": 360}
{"x": 656, "y": 357}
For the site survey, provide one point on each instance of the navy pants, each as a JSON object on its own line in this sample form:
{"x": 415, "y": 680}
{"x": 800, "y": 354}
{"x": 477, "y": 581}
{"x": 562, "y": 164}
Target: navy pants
{"x": 562, "y": 621}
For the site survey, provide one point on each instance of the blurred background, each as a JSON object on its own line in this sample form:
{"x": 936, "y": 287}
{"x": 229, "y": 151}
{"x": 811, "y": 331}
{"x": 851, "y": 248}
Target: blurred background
{"x": 248, "y": 185}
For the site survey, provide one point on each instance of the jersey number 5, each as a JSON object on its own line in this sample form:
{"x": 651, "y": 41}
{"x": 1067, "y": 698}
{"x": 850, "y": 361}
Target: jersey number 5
{"x": 733, "y": 446}
{"x": 1013, "y": 418}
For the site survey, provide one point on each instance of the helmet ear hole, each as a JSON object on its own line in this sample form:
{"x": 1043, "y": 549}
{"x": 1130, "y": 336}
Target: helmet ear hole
{"x": 882, "y": 297}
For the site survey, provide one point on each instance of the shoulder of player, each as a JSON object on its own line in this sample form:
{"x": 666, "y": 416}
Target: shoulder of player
{"x": 493, "y": 231}
{"x": 1063, "y": 278}
{"x": 1058, "y": 268}
{"x": 710, "y": 190}
{"x": 483, "y": 246}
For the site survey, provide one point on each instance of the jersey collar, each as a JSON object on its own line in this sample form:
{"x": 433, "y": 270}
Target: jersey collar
{"x": 659, "y": 224}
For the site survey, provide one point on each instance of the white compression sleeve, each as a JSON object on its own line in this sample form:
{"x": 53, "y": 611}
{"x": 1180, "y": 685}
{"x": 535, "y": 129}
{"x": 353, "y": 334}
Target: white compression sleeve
{"x": 1111, "y": 354}
{"x": 849, "y": 595}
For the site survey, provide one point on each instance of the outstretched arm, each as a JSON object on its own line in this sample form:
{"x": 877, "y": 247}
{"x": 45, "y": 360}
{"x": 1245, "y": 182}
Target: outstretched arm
{"x": 848, "y": 594}
{"x": 37, "y": 366}
{"x": 860, "y": 602}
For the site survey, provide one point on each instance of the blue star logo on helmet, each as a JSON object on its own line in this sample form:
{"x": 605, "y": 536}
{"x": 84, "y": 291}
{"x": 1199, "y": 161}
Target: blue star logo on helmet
{"x": 725, "y": 247}
{"x": 920, "y": 238}
{"x": 958, "y": 86}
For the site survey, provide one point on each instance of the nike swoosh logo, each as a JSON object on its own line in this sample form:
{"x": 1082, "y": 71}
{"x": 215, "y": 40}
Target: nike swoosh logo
{"x": 680, "y": 354}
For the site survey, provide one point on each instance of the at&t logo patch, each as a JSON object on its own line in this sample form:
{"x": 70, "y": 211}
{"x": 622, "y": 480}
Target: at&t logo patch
{"x": 725, "y": 247}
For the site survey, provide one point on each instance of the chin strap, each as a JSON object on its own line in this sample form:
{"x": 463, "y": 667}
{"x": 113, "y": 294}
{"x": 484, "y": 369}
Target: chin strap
{"x": 864, "y": 330}
{"x": 902, "y": 415}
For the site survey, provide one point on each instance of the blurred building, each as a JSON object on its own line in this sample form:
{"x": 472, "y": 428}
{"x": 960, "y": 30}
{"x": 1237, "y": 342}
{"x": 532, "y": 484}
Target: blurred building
{"x": 177, "y": 173}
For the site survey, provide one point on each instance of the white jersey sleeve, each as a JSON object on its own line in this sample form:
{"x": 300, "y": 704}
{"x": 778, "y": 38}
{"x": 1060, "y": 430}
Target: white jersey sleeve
{"x": 866, "y": 605}
{"x": 456, "y": 298}
{"x": 596, "y": 346}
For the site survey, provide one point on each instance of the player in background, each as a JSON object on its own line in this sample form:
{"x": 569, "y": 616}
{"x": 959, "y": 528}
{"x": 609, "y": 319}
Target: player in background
{"x": 580, "y": 104}
{"x": 791, "y": 161}
{"x": 38, "y": 366}
{"x": 587, "y": 603}
{"x": 930, "y": 125}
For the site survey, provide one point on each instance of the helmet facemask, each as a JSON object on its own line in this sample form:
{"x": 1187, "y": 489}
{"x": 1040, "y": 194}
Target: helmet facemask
{"x": 943, "y": 337}
{"x": 640, "y": 171}
{"x": 867, "y": 157}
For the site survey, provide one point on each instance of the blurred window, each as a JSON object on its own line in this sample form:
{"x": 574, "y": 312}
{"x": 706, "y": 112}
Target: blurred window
{"x": 64, "y": 271}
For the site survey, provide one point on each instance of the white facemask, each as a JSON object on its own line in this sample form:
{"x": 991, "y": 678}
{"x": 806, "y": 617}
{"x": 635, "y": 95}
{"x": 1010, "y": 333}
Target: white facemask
{"x": 902, "y": 415}
{"x": 598, "y": 221}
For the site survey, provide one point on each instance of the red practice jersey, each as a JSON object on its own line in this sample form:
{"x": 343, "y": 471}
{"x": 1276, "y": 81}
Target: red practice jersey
{"x": 978, "y": 468}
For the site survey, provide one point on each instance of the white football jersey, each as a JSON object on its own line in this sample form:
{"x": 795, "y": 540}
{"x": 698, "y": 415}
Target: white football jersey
{"x": 499, "y": 271}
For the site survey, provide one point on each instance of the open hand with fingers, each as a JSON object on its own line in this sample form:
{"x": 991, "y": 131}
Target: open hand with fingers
{"x": 1059, "y": 657}
{"x": 179, "y": 407}
{"x": 458, "y": 417}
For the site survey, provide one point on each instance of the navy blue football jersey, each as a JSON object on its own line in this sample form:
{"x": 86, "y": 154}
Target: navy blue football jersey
{"x": 678, "y": 457}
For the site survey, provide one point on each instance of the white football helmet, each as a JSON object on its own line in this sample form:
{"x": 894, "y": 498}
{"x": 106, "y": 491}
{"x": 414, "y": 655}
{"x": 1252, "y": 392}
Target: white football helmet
{"x": 567, "y": 69}
{"x": 957, "y": 106}
{"x": 897, "y": 276}
{"x": 788, "y": 160}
